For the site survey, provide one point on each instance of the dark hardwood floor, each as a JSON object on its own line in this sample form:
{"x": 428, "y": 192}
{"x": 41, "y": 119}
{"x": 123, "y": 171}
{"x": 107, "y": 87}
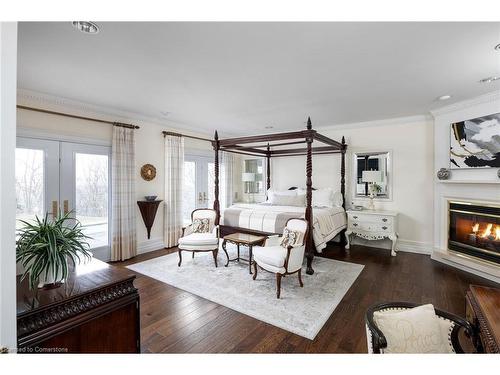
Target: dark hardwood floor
{"x": 175, "y": 321}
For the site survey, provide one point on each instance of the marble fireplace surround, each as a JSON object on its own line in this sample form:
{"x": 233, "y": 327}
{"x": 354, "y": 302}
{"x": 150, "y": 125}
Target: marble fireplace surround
{"x": 479, "y": 185}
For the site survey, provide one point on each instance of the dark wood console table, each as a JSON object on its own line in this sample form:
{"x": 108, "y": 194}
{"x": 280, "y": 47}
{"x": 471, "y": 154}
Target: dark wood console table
{"x": 95, "y": 311}
{"x": 483, "y": 312}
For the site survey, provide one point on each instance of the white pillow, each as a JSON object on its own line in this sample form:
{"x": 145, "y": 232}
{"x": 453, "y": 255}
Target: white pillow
{"x": 289, "y": 200}
{"x": 337, "y": 199}
{"x": 322, "y": 197}
{"x": 414, "y": 330}
{"x": 271, "y": 193}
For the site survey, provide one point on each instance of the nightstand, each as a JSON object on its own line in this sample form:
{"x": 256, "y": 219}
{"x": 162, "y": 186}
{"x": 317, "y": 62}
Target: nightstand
{"x": 373, "y": 225}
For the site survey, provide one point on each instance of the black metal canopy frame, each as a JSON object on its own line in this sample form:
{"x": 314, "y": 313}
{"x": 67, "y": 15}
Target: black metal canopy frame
{"x": 254, "y": 146}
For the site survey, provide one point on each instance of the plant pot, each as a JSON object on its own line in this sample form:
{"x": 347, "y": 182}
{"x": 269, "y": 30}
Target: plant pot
{"x": 50, "y": 280}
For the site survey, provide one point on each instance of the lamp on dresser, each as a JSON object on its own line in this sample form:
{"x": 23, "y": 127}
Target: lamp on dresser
{"x": 372, "y": 178}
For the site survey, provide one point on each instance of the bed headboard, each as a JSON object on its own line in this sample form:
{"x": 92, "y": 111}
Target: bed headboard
{"x": 295, "y": 188}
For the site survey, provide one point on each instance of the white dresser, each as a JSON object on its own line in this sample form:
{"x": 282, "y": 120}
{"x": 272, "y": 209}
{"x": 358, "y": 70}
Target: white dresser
{"x": 373, "y": 225}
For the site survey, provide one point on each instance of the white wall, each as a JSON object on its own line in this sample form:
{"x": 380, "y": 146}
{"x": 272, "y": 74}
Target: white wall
{"x": 149, "y": 147}
{"x": 411, "y": 143}
{"x": 471, "y": 184}
{"x": 8, "y": 66}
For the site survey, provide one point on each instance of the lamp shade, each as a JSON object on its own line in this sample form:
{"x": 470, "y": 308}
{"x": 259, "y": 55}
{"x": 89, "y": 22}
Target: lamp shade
{"x": 371, "y": 176}
{"x": 248, "y": 177}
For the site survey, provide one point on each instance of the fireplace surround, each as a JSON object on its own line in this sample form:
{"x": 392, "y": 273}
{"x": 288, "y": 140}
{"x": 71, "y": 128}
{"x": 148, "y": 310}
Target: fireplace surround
{"x": 474, "y": 229}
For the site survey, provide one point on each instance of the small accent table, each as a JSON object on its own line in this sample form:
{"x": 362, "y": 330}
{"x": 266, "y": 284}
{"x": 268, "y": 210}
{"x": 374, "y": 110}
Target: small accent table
{"x": 373, "y": 225}
{"x": 238, "y": 239}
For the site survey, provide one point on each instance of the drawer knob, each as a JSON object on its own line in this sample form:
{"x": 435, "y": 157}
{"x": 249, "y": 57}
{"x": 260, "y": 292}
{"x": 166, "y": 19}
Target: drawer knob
{"x": 384, "y": 220}
{"x": 384, "y": 227}
{"x": 355, "y": 224}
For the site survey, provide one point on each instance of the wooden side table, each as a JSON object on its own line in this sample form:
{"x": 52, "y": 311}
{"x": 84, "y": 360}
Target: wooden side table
{"x": 238, "y": 239}
{"x": 482, "y": 310}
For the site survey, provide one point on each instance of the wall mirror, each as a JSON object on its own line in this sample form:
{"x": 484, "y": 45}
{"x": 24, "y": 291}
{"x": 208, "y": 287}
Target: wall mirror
{"x": 253, "y": 176}
{"x": 372, "y": 174}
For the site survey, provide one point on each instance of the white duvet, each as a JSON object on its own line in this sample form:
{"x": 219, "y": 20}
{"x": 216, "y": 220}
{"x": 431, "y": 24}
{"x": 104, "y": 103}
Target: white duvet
{"x": 327, "y": 221}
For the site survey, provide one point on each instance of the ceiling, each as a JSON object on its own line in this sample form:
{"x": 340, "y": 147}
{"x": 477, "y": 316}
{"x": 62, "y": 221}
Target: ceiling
{"x": 241, "y": 77}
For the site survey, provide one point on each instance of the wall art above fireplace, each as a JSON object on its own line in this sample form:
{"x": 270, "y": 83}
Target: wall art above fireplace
{"x": 475, "y": 143}
{"x": 474, "y": 229}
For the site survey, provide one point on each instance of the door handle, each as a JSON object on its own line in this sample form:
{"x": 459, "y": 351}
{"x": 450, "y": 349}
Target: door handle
{"x": 205, "y": 196}
{"x": 54, "y": 209}
{"x": 66, "y": 206}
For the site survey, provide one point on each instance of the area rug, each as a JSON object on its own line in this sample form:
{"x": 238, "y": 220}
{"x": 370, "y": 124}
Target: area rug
{"x": 302, "y": 311}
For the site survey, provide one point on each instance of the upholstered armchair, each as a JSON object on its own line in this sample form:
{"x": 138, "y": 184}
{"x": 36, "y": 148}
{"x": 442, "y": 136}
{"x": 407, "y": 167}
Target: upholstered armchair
{"x": 448, "y": 327}
{"x": 283, "y": 255}
{"x": 202, "y": 235}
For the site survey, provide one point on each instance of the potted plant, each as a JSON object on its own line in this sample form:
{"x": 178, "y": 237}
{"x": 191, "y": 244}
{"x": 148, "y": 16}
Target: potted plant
{"x": 45, "y": 246}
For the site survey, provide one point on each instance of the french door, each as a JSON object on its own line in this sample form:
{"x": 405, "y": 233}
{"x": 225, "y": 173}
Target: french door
{"x": 54, "y": 176}
{"x": 199, "y": 184}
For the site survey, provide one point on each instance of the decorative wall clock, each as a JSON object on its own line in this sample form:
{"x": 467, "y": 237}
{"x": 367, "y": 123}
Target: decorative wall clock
{"x": 148, "y": 172}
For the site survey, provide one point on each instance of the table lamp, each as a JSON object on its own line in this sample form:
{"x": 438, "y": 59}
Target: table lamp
{"x": 371, "y": 177}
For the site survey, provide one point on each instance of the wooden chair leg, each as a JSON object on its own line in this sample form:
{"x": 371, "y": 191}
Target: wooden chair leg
{"x": 254, "y": 270}
{"x": 300, "y": 278}
{"x": 192, "y": 256}
{"x": 180, "y": 258}
{"x": 278, "y": 285}
{"x": 214, "y": 253}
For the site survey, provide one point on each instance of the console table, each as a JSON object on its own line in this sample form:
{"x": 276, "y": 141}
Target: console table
{"x": 95, "y": 311}
{"x": 482, "y": 309}
{"x": 373, "y": 225}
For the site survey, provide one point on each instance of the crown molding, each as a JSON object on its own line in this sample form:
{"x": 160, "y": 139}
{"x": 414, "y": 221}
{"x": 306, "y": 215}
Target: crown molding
{"x": 407, "y": 120}
{"x": 58, "y": 103}
{"x": 482, "y": 99}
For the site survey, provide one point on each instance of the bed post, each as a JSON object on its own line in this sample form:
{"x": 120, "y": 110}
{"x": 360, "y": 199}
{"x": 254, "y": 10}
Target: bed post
{"x": 343, "y": 239}
{"x": 308, "y": 213}
{"x": 216, "y": 178}
{"x": 268, "y": 170}
{"x": 342, "y": 171}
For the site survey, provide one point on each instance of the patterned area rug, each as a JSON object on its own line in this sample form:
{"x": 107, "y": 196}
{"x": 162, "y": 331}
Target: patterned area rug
{"x": 302, "y": 311}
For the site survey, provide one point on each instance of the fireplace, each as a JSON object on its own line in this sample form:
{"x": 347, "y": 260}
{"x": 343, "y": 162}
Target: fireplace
{"x": 474, "y": 229}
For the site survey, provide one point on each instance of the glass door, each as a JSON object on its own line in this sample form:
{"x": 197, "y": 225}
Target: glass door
{"x": 85, "y": 191}
{"x": 54, "y": 176}
{"x": 37, "y": 179}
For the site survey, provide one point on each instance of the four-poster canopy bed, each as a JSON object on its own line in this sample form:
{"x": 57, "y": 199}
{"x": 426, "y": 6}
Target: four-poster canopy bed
{"x": 262, "y": 145}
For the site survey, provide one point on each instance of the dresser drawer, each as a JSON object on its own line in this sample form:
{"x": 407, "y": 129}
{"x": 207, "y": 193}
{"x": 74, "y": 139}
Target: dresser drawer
{"x": 366, "y": 218}
{"x": 371, "y": 227}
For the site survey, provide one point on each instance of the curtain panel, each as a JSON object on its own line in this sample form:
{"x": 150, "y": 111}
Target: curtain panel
{"x": 124, "y": 241}
{"x": 174, "y": 174}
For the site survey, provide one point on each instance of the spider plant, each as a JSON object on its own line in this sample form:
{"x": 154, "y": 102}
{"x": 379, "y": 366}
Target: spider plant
{"x": 44, "y": 247}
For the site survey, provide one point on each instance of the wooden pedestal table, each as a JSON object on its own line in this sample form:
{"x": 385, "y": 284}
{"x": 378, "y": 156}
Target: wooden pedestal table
{"x": 248, "y": 240}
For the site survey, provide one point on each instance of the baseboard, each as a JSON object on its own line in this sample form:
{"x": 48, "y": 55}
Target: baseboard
{"x": 467, "y": 265}
{"x": 150, "y": 245}
{"x": 414, "y": 247}
{"x": 406, "y": 246}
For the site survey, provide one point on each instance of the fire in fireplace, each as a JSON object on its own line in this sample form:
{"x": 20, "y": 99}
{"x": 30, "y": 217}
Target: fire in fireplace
{"x": 474, "y": 229}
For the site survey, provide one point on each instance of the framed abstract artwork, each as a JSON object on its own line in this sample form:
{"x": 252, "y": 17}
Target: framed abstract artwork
{"x": 475, "y": 143}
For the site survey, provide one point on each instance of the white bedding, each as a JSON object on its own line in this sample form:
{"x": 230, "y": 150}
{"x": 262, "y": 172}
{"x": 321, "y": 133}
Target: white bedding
{"x": 327, "y": 221}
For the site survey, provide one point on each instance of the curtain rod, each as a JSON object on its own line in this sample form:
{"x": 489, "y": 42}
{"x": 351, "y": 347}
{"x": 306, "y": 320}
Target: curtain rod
{"x": 114, "y": 123}
{"x": 165, "y": 133}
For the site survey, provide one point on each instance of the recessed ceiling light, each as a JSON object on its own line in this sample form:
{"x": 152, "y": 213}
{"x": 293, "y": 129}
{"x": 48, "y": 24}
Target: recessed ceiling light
{"x": 268, "y": 127}
{"x": 87, "y": 27}
{"x": 497, "y": 47}
{"x": 489, "y": 79}
{"x": 444, "y": 97}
